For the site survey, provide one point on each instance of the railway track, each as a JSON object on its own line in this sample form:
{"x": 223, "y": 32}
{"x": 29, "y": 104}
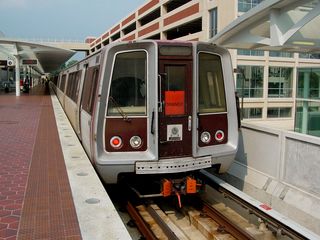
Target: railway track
{"x": 216, "y": 214}
{"x": 160, "y": 222}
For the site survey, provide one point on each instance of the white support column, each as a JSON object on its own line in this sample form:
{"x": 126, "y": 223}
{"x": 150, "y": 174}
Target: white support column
{"x": 17, "y": 59}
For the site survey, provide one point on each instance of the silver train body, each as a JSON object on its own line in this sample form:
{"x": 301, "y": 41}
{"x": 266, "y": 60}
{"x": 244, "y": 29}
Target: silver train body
{"x": 153, "y": 107}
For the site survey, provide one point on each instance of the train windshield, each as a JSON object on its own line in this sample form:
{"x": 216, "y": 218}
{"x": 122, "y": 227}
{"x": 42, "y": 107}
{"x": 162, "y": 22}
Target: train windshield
{"x": 211, "y": 85}
{"x": 128, "y": 85}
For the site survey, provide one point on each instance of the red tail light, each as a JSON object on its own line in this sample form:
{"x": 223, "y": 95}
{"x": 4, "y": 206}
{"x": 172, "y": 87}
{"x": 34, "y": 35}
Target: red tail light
{"x": 219, "y": 136}
{"x": 116, "y": 142}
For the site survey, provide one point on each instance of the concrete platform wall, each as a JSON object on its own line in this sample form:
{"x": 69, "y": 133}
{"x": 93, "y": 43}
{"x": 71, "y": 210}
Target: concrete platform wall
{"x": 282, "y": 169}
{"x": 288, "y": 157}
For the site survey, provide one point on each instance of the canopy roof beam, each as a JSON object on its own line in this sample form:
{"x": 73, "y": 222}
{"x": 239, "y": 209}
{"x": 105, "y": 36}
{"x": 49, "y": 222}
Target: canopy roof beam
{"x": 291, "y": 25}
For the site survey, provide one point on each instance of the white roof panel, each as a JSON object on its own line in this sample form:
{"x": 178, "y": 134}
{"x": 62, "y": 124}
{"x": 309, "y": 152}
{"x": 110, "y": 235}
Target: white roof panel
{"x": 49, "y": 58}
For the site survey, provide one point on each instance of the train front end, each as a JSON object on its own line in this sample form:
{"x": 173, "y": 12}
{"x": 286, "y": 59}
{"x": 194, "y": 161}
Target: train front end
{"x": 164, "y": 108}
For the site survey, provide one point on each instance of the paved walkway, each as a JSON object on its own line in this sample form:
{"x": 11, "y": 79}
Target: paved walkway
{"x": 35, "y": 196}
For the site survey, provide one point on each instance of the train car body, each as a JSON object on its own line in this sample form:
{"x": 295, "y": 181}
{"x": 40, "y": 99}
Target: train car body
{"x": 153, "y": 107}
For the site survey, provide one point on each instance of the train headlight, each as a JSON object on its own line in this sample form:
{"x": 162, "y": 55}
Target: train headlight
{"x": 135, "y": 142}
{"x": 116, "y": 142}
{"x": 205, "y": 137}
{"x": 219, "y": 136}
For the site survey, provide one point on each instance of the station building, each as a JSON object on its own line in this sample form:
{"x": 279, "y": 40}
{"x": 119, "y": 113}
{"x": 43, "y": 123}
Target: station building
{"x": 271, "y": 85}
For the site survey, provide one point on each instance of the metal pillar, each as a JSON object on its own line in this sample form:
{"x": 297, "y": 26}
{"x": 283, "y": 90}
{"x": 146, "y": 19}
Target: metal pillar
{"x": 17, "y": 59}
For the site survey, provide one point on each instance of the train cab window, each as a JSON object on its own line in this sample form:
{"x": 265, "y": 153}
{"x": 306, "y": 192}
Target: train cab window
{"x": 211, "y": 84}
{"x": 175, "y": 90}
{"x": 128, "y": 85}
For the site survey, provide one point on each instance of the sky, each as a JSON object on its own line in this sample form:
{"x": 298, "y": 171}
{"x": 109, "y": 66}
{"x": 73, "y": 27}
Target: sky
{"x": 62, "y": 19}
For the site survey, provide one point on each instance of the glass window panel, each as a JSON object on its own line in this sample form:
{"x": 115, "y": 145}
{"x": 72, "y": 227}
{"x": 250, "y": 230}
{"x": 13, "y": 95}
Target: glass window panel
{"x": 175, "y": 78}
{"x": 89, "y": 88}
{"x": 307, "y": 119}
{"x": 246, "y": 52}
{"x": 246, "y": 5}
{"x": 273, "y": 112}
{"x": 279, "y": 112}
{"x": 280, "y": 54}
{"x": 309, "y": 55}
{"x": 128, "y": 85}
{"x": 285, "y": 112}
{"x": 213, "y": 22}
{"x": 280, "y": 82}
{"x": 211, "y": 84}
{"x": 250, "y": 81}
{"x": 63, "y": 82}
{"x": 250, "y": 113}
{"x": 175, "y": 90}
{"x": 308, "y": 86}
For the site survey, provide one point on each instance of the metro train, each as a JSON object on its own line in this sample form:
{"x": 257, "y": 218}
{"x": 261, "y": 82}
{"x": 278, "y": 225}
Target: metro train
{"x": 153, "y": 108}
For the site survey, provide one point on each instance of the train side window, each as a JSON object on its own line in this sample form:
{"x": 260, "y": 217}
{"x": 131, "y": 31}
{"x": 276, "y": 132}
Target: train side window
{"x": 128, "y": 85}
{"x": 69, "y": 84}
{"x": 63, "y": 82}
{"x": 75, "y": 89}
{"x": 89, "y": 88}
{"x": 73, "y": 85}
{"x": 211, "y": 84}
{"x": 59, "y": 81}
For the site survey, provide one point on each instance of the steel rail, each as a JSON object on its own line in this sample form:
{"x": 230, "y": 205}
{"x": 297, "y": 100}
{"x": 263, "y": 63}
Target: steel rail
{"x": 141, "y": 224}
{"x": 269, "y": 220}
{"x": 165, "y": 228}
{"x": 226, "y": 224}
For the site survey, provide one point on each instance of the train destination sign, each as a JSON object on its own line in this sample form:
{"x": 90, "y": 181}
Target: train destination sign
{"x": 29, "y": 61}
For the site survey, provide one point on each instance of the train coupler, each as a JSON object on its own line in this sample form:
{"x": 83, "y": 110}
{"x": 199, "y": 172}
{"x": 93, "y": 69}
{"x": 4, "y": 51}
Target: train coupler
{"x": 183, "y": 186}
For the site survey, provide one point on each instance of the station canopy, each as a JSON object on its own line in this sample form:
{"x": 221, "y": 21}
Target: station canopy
{"x": 275, "y": 25}
{"x": 48, "y": 58}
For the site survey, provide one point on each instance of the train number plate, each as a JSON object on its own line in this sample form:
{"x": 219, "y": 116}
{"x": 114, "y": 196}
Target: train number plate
{"x": 174, "y": 132}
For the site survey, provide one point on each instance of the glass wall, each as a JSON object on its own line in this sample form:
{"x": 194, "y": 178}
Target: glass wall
{"x": 280, "y": 54}
{"x": 309, "y": 55}
{"x": 246, "y": 5}
{"x": 280, "y": 82}
{"x": 279, "y": 112}
{"x": 250, "y": 81}
{"x": 308, "y": 86}
{"x": 307, "y": 119}
{"x": 251, "y": 113}
{"x": 246, "y": 52}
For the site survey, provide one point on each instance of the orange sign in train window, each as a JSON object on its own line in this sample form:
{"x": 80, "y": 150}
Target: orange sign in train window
{"x": 174, "y": 102}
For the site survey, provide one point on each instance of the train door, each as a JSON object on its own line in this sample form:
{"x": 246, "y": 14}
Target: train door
{"x": 86, "y": 106}
{"x": 82, "y": 91}
{"x": 175, "y": 108}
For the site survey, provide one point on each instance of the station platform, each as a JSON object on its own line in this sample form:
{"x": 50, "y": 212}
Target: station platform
{"x": 48, "y": 188}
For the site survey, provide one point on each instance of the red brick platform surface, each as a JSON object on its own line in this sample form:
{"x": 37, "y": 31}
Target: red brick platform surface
{"x": 35, "y": 195}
